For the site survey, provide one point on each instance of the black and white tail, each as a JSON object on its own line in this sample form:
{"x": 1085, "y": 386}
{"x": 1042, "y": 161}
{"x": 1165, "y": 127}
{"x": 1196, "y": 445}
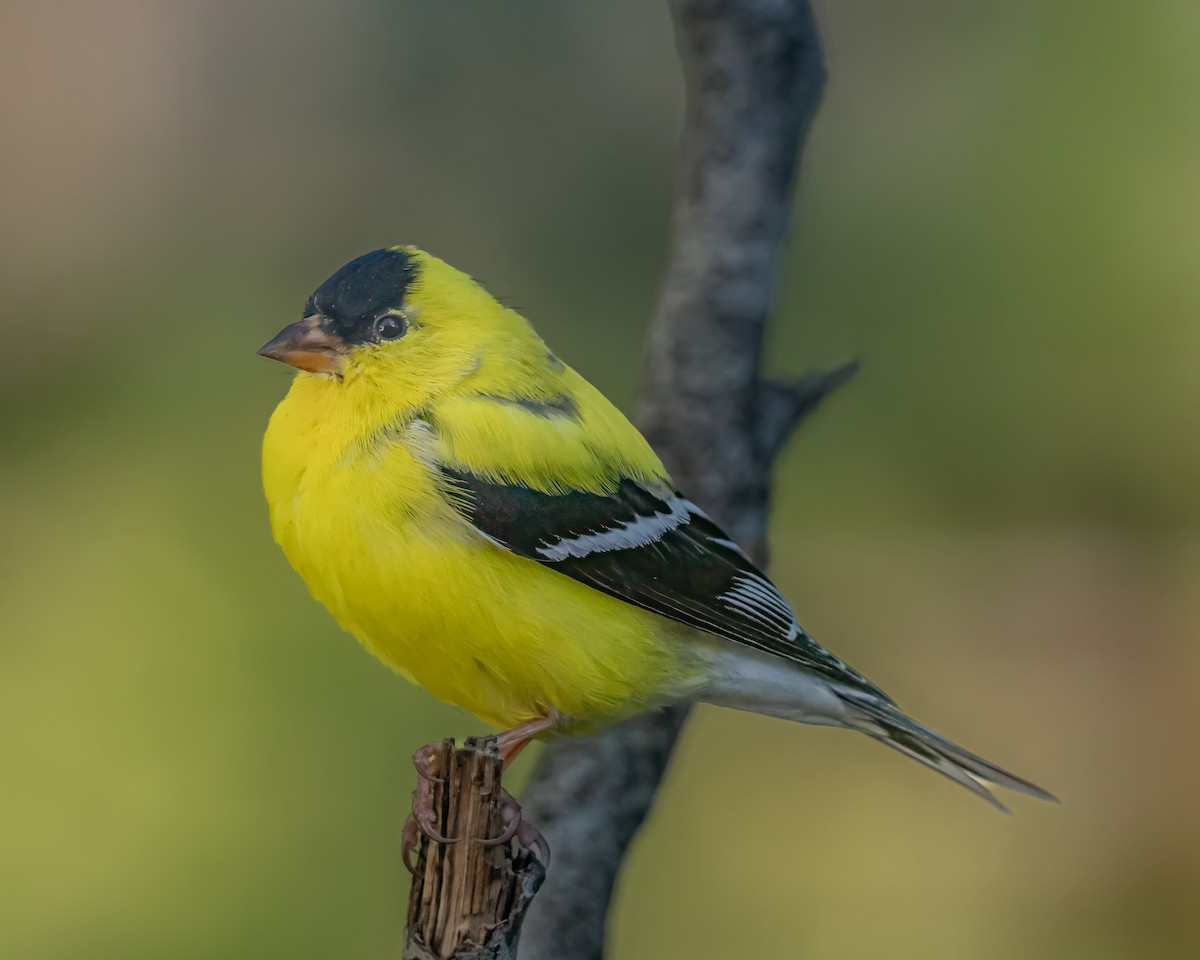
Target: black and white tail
{"x": 886, "y": 723}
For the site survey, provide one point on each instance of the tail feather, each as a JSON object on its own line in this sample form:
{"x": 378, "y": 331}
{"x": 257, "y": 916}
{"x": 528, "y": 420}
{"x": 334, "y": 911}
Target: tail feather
{"x": 886, "y": 723}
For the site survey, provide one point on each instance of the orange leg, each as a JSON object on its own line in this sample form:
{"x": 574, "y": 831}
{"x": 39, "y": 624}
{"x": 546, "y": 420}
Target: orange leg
{"x": 511, "y": 742}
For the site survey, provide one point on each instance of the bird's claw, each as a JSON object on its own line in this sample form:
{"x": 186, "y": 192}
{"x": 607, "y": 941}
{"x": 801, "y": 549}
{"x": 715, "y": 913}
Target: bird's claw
{"x": 512, "y": 823}
{"x": 516, "y": 827}
{"x": 530, "y": 838}
{"x": 422, "y": 761}
{"x": 425, "y": 825}
{"x": 421, "y": 820}
{"x": 410, "y": 837}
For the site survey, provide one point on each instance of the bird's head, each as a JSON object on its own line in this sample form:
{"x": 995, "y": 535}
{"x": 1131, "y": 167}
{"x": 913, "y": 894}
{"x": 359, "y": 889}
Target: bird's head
{"x": 402, "y": 321}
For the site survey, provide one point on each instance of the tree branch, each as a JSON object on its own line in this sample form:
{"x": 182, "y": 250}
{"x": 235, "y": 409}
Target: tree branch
{"x": 754, "y": 73}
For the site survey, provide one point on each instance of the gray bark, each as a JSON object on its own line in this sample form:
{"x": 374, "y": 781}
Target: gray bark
{"x": 754, "y": 73}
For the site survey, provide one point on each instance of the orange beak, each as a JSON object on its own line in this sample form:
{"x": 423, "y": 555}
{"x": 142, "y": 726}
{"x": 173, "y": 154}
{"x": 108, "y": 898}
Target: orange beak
{"x": 306, "y": 346}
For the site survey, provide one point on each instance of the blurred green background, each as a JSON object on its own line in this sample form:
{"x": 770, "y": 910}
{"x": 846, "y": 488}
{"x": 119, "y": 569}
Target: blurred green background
{"x": 999, "y": 522}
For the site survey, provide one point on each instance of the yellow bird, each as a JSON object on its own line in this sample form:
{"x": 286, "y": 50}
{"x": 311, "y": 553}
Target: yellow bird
{"x": 488, "y": 525}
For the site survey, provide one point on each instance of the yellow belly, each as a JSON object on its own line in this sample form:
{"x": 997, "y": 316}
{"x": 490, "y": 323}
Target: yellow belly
{"x": 499, "y": 635}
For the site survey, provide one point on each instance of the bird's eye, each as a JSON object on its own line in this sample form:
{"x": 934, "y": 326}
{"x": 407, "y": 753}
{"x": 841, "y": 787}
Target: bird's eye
{"x": 391, "y": 326}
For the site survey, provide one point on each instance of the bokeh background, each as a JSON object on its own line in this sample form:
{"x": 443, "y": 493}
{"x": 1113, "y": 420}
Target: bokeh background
{"x": 999, "y": 212}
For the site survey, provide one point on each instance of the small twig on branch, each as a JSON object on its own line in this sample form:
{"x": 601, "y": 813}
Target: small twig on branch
{"x": 754, "y": 73}
{"x": 468, "y": 899}
{"x": 781, "y": 406}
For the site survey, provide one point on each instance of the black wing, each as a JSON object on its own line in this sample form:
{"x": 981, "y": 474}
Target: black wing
{"x": 652, "y": 548}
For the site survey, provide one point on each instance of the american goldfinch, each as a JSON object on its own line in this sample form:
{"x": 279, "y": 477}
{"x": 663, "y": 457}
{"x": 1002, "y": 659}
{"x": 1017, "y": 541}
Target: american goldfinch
{"x": 489, "y": 526}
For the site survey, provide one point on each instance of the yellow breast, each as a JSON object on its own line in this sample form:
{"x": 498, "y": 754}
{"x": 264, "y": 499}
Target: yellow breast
{"x": 359, "y": 514}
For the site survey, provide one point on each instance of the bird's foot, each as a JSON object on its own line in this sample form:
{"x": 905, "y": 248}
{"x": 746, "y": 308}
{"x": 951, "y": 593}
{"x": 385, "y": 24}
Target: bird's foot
{"x": 423, "y": 817}
{"x": 516, "y": 827}
{"x": 421, "y": 820}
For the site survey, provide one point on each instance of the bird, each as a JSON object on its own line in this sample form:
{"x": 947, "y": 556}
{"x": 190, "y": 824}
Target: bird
{"x": 486, "y": 523}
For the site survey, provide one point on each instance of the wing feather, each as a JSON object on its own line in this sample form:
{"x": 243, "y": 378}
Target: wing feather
{"x": 650, "y": 547}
